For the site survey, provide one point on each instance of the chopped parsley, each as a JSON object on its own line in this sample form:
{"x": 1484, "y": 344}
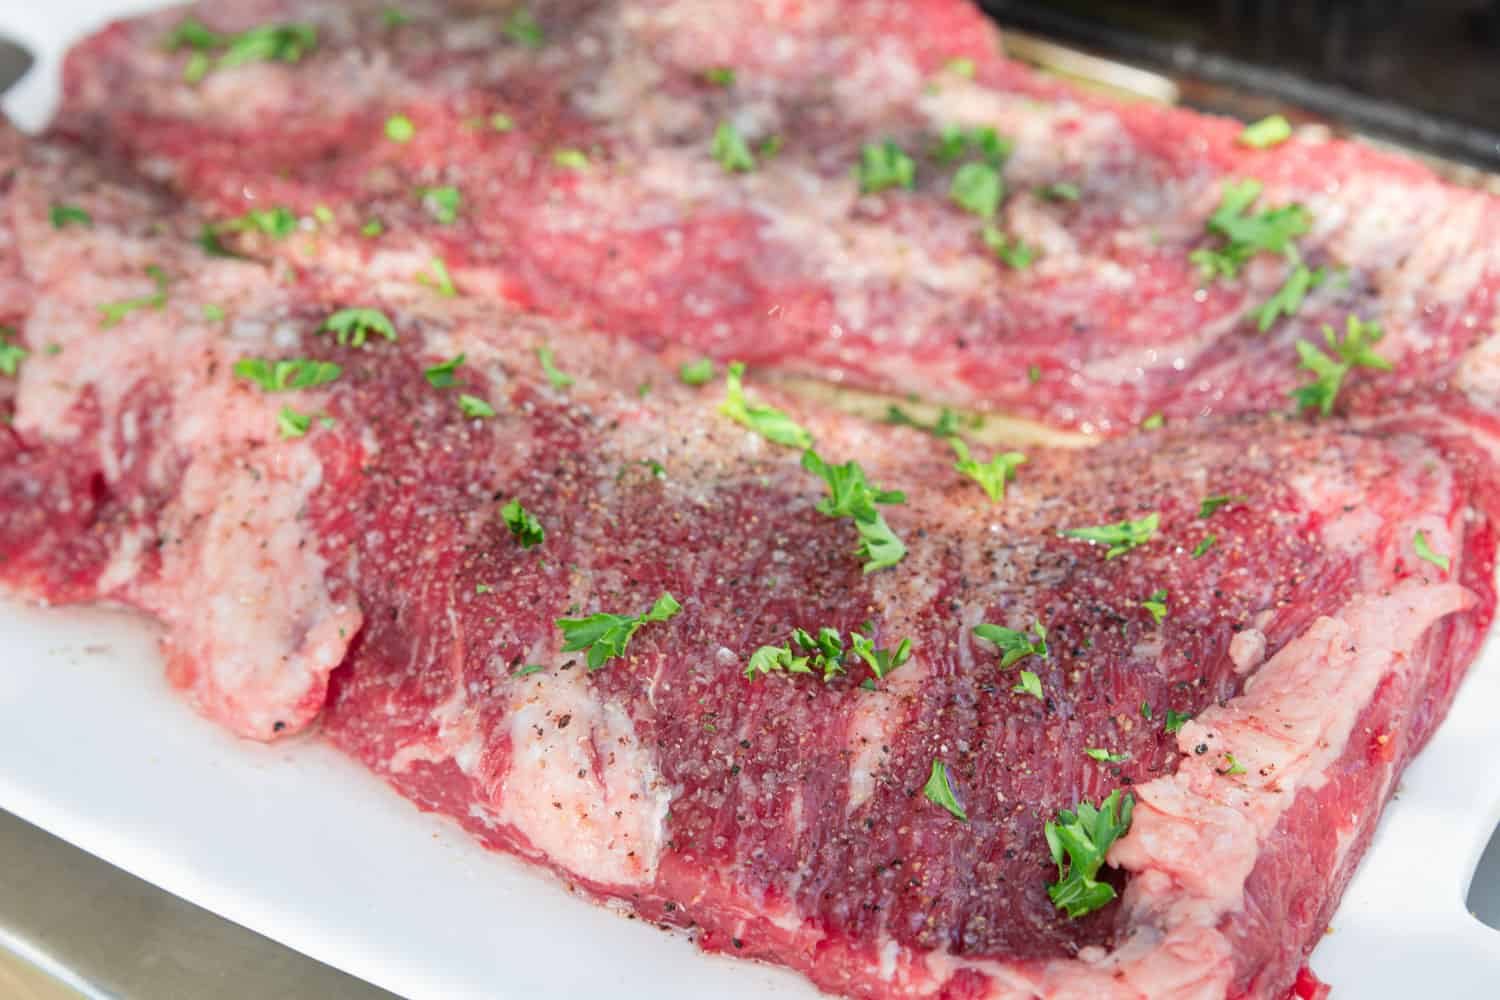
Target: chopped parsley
{"x": 698, "y": 372}
{"x": 826, "y": 653}
{"x": 880, "y": 661}
{"x": 767, "y": 421}
{"x": 398, "y": 128}
{"x": 442, "y": 203}
{"x": 439, "y": 280}
{"x": 1203, "y": 546}
{"x": 1013, "y": 253}
{"x": 292, "y": 424}
{"x": 731, "y": 150}
{"x": 114, "y": 312}
{"x": 352, "y": 326}
{"x": 571, "y": 159}
{"x": 1121, "y": 537}
{"x": 960, "y": 65}
{"x": 1079, "y": 840}
{"x": 1356, "y": 349}
{"x": 1154, "y": 421}
{"x": 473, "y": 407}
{"x": 1288, "y": 298}
{"x": 1231, "y": 766}
{"x": 287, "y": 375}
{"x": 1156, "y": 607}
{"x": 885, "y": 165}
{"x": 558, "y": 379}
{"x": 278, "y": 222}
{"x": 977, "y": 187}
{"x": 1270, "y": 131}
{"x": 1105, "y": 757}
{"x": 528, "y": 669}
{"x": 286, "y": 43}
{"x": 1014, "y": 644}
{"x": 501, "y": 122}
{"x": 522, "y": 28}
{"x": 1208, "y": 505}
{"x": 954, "y": 142}
{"x": 1146, "y": 710}
{"x": 393, "y": 17}
{"x": 523, "y": 524}
{"x": 1060, "y": 191}
{"x": 372, "y": 228}
{"x": 11, "y": 355}
{"x": 1244, "y": 235}
{"x": 1174, "y": 721}
{"x": 945, "y": 426}
{"x": 443, "y": 375}
{"x": 720, "y": 76}
{"x": 1030, "y": 684}
{"x": 1424, "y": 551}
{"x": 940, "y": 793}
{"x": 63, "y": 215}
{"x": 992, "y": 475}
{"x": 606, "y": 636}
{"x": 850, "y": 495}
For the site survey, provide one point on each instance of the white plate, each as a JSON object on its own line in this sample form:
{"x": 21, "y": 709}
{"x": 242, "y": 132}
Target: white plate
{"x": 301, "y": 844}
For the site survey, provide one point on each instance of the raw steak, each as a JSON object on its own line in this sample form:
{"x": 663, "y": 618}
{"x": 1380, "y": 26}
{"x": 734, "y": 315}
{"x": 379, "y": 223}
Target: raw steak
{"x": 599, "y": 195}
{"x": 781, "y": 818}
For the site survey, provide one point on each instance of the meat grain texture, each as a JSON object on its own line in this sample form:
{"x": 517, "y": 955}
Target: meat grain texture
{"x": 348, "y": 567}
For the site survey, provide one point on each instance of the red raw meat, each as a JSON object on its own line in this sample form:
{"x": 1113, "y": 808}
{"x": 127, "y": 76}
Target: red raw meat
{"x": 781, "y": 818}
{"x": 639, "y": 231}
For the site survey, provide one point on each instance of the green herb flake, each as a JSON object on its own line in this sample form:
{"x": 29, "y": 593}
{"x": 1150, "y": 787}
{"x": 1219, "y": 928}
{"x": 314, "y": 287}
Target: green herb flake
{"x": 1034, "y": 374}
{"x": 945, "y": 426}
{"x": 473, "y": 407}
{"x": 1270, "y": 131}
{"x": 398, "y": 128}
{"x": 1231, "y": 766}
{"x": 731, "y": 150}
{"x": 1174, "y": 721}
{"x": 940, "y": 793}
{"x": 1203, "y": 546}
{"x": 1424, "y": 551}
{"x": 502, "y": 122}
{"x": 286, "y": 375}
{"x": 523, "y": 524}
{"x": 372, "y": 228}
{"x": 480, "y": 589}
{"x": 992, "y": 475}
{"x": 1289, "y": 297}
{"x": 1146, "y": 710}
{"x": 439, "y": 280}
{"x": 1154, "y": 422}
{"x": 851, "y": 495}
{"x": 977, "y": 187}
{"x": 1120, "y": 537}
{"x": 1355, "y": 350}
{"x": 1060, "y": 191}
{"x": 767, "y": 421}
{"x": 698, "y": 372}
{"x": 277, "y": 222}
{"x": 885, "y": 165}
{"x": 1106, "y": 757}
{"x": 11, "y": 354}
{"x": 960, "y": 66}
{"x": 1079, "y": 840}
{"x": 522, "y": 28}
{"x": 1244, "y": 235}
{"x": 607, "y": 636}
{"x": 286, "y": 43}
{"x": 393, "y": 17}
{"x": 442, "y": 203}
{"x": 720, "y": 76}
{"x": 528, "y": 670}
{"x": 954, "y": 142}
{"x": 880, "y": 661}
{"x": 1156, "y": 607}
{"x": 443, "y": 375}
{"x": 292, "y": 424}
{"x": 1209, "y": 505}
{"x": 63, "y": 215}
{"x": 352, "y": 326}
{"x": 1011, "y": 251}
{"x": 1030, "y": 684}
{"x": 212, "y": 313}
{"x": 113, "y": 313}
{"x": 558, "y": 379}
{"x": 571, "y": 159}
{"x": 1014, "y": 644}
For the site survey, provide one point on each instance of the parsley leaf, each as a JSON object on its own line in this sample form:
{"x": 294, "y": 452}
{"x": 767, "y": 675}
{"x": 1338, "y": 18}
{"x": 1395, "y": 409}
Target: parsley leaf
{"x": 1203, "y": 546}
{"x": 287, "y": 375}
{"x": 940, "y": 793}
{"x": 1105, "y": 757}
{"x": 961, "y": 65}
{"x": 267, "y": 43}
{"x": 992, "y": 475}
{"x": 880, "y": 661}
{"x": 1424, "y": 551}
{"x": 697, "y": 372}
{"x": 1121, "y": 537}
{"x": 292, "y": 424}
{"x": 1154, "y": 421}
{"x": 720, "y": 76}
{"x": 1288, "y": 298}
{"x": 473, "y": 407}
{"x": 1079, "y": 841}
{"x": 885, "y": 165}
{"x": 62, "y": 215}
{"x": 769, "y": 659}
{"x": 606, "y": 636}
{"x": 1060, "y": 191}
{"x": 1014, "y": 644}
{"x": 1030, "y": 684}
{"x": 946, "y": 425}
{"x": 442, "y": 203}
{"x": 850, "y": 495}
{"x": 352, "y": 326}
{"x": 1231, "y": 766}
{"x": 11, "y": 355}
{"x": 114, "y": 312}
{"x": 398, "y": 128}
{"x": 767, "y": 421}
{"x": 954, "y": 142}
{"x": 522, "y": 28}
{"x": 571, "y": 159}
{"x": 558, "y": 379}
{"x": 1272, "y": 230}
{"x": 1354, "y": 350}
{"x": 1156, "y": 606}
{"x": 731, "y": 150}
{"x": 523, "y": 524}
{"x": 978, "y": 188}
{"x": 1013, "y": 253}
{"x": 1174, "y": 721}
{"x": 277, "y": 221}
{"x": 1208, "y": 505}
{"x": 826, "y": 653}
{"x": 1269, "y": 131}
{"x": 440, "y": 281}
{"x": 441, "y": 375}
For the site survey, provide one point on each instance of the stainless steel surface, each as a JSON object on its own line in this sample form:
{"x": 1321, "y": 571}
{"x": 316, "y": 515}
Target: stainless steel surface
{"x": 76, "y": 926}
{"x": 14, "y": 62}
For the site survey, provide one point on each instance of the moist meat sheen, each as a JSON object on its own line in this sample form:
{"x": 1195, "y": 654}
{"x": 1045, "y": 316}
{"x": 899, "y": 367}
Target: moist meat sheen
{"x": 357, "y": 569}
{"x": 583, "y": 158}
